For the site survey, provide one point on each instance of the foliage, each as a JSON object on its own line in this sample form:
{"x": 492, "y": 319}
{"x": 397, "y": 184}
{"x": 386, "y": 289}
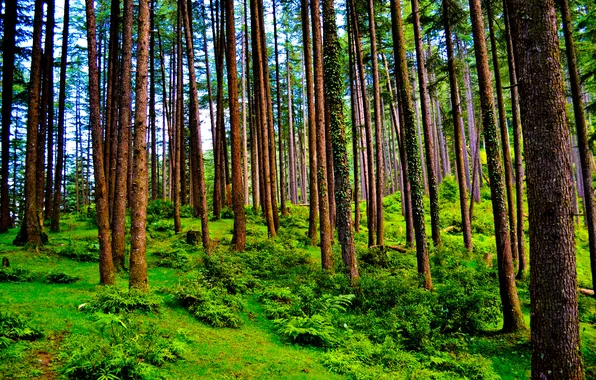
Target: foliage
{"x": 60, "y": 278}
{"x": 80, "y": 251}
{"x": 172, "y": 258}
{"x": 122, "y": 349}
{"x": 113, "y": 300}
{"x": 14, "y": 327}
{"x": 14, "y": 274}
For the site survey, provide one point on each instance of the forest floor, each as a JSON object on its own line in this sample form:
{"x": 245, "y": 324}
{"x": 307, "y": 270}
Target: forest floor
{"x": 269, "y": 312}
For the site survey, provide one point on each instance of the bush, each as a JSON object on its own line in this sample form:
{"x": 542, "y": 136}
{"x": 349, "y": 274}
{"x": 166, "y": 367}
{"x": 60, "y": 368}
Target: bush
{"x": 212, "y": 306}
{"x": 60, "y": 278}
{"x": 159, "y": 209}
{"x": 121, "y": 349}
{"x": 176, "y": 259}
{"x": 81, "y": 251}
{"x": 161, "y": 225}
{"x": 14, "y": 274}
{"x": 14, "y": 327}
{"x": 112, "y": 300}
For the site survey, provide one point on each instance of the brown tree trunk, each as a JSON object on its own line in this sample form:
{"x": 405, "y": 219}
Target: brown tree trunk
{"x": 178, "y": 125}
{"x": 138, "y": 207}
{"x": 195, "y": 131}
{"x": 291, "y": 137}
{"x": 8, "y": 54}
{"x": 106, "y": 268}
{"x": 356, "y": 124}
{"x": 583, "y": 146}
{"x": 371, "y": 191}
{"x": 30, "y": 231}
{"x": 61, "y": 118}
{"x": 152, "y": 115}
{"x": 239, "y": 238}
{"x": 312, "y": 135}
{"x": 411, "y": 145}
{"x": 504, "y": 136}
{"x": 512, "y": 316}
{"x": 124, "y": 135}
{"x": 322, "y": 175}
{"x": 427, "y": 128}
{"x": 49, "y": 107}
{"x": 458, "y": 138}
{"x": 282, "y": 185}
{"x": 553, "y": 283}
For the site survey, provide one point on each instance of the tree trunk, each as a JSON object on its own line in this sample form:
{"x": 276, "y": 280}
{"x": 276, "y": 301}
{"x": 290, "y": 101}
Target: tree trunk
{"x": 291, "y": 138}
{"x": 512, "y": 316}
{"x": 356, "y": 124}
{"x": 411, "y": 145}
{"x": 8, "y": 54}
{"x": 458, "y": 138}
{"x": 426, "y": 126}
{"x": 334, "y": 102}
{"x": 152, "y": 115}
{"x": 322, "y": 175}
{"x": 195, "y": 131}
{"x": 30, "y": 231}
{"x": 138, "y": 208}
{"x": 583, "y": 146}
{"x": 504, "y": 137}
{"x": 239, "y": 238}
{"x": 106, "y": 268}
{"x": 282, "y": 185}
{"x": 61, "y": 119}
{"x": 124, "y": 135}
{"x": 49, "y": 107}
{"x": 312, "y": 134}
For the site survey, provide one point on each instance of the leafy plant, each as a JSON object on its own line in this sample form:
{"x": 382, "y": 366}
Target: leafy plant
{"x": 112, "y": 300}
{"x": 15, "y": 274}
{"x": 80, "y": 251}
{"x": 60, "y": 278}
{"x": 14, "y": 327}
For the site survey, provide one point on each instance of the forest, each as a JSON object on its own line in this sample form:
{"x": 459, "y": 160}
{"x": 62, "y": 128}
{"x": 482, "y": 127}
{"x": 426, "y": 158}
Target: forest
{"x": 300, "y": 189}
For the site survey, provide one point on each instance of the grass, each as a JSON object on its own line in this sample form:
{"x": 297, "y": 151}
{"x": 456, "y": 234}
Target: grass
{"x": 253, "y": 351}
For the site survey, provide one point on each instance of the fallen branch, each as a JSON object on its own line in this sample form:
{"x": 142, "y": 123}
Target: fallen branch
{"x": 586, "y": 292}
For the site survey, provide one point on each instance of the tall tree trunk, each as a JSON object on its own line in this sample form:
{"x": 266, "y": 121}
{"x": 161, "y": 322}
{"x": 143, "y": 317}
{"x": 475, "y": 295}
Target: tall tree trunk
{"x": 512, "y": 316}
{"x": 378, "y": 126}
{"x": 244, "y": 116}
{"x": 30, "y": 231}
{"x": 124, "y": 135}
{"x": 322, "y": 175}
{"x": 152, "y": 115}
{"x": 427, "y": 127}
{"x": 239, "y": 238}
{"x": 291, "y": 137}
{"x": 334, "y": 102}
{"x": 61, "y": 119}
{"x": 8, "y": 54}
{"x": 519, "y": 170}
{"x": 312, "y": 134}
{"x": 475, "y": 192}
{"x": 282, "y": 185}
{"x": 458, "y": 138}
{"x": 504, "y": 136}
{"x": 371, "y": 191}
{"x": 411, "y": 145}
{"x": 138, "y": 208}
{"x": 585, "y": 155}
{"x": 553, "y": 282}
{"x": 356, "y": 124}
{"x": 49, "y": 106}
{"x": 178, "y": 125}
{"x": 106, "y": 268}
{"x": 195, "y": 131}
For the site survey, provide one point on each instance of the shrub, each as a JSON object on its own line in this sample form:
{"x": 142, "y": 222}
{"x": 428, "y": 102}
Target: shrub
{"x": 14, "y": 274}
{"x": 212, "y": 306}
{"x": 159, "y": 209}
{"x": 81, "y": 251}
{"x": 161, "y": 225}
{"x": 121, "y": 349}
{"x": 14, "y": 327}
{"x": 112, "y": 300}
{"x": 60, "y": 278}
{"x": 176, "y": 259}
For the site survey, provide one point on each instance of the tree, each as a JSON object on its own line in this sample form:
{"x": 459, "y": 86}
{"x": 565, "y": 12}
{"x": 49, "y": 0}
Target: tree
{"x": 61, "y": 119}
{"x": 123, "y": 142}
{"x": 426, "y": 126}
{"x": 324, "y": 214}
{"x": 585, "y": 153}
{"x": 30, "y": 231}
{"x": 334, "y": 102}
{"x": 512, "y": 316}
{"x": 312, "y": 138}
{"x": 239, "y": 237}
{"x": 138, "y": 206}
{"x": 411, "y": 144}
{"x": 106, "y": 268}
{"x": 553, "y": 283}
{"x": 8, "y": 55}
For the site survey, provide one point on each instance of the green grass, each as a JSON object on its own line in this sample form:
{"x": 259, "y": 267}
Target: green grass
{"x": 255, "y": 350}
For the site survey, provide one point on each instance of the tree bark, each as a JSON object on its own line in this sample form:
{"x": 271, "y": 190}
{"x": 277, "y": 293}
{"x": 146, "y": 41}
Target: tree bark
{"x": 106, "y": 268}
{"x": 411, "y": 144}
{"x": 512, "y": 316}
